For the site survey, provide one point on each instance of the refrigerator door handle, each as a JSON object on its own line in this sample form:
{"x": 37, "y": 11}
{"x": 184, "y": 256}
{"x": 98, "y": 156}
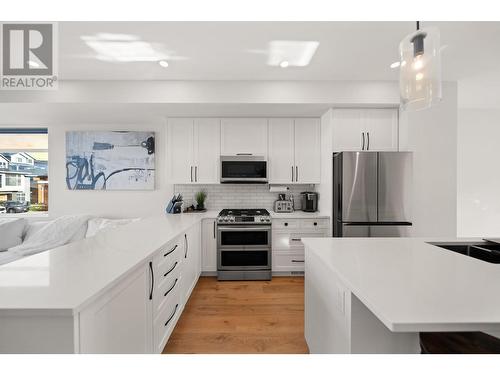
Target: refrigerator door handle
{"x": 363, "y": 147}
{"x": 368, "y": 143}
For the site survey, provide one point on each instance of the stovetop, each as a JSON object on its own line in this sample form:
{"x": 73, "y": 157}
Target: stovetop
{"x": 244, "y": 216}
{"x": 244, "y": 212}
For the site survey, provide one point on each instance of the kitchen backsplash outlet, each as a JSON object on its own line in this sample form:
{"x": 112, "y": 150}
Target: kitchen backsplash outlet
{"x": 239, "y": 195}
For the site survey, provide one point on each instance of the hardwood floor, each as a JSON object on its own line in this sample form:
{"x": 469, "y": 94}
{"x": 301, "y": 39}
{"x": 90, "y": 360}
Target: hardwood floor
{"x": 242, "y": 317}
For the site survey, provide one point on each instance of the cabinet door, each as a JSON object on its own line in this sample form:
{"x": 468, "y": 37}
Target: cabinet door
{"x": 206, "y": 150}
{"x": 348, "y": 129}
{"x": 180, "y": 141}
{"x": 121, "y": 320}
{"x": 381, "y": 127}
{"x": 307, "y": 151}
{"x": 209, "y": 246}
{"x": 244, "y": 136}
{"x": 281, "y": 151}
{"x": 191, "y": 262}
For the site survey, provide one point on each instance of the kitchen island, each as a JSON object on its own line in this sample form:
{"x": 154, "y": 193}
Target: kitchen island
{"x": 374, "y": 295}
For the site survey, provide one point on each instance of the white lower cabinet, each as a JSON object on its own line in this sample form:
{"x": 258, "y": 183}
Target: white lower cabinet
{"x": 139, "y": 314}
{"x": 209, "y": 246}
{"x": 288, "y": 249}
{"x": 120, "y": 320}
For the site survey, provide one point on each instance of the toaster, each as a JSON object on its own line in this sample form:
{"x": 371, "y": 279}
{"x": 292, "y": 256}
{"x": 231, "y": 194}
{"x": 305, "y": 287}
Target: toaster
{"x": 283, "y": 206}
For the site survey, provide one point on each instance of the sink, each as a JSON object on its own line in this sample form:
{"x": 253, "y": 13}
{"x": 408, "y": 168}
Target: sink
{"x": 485, "y": 251}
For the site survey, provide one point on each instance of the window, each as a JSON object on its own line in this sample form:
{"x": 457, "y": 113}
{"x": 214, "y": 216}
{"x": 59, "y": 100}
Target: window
{"x": 24, "y": 164}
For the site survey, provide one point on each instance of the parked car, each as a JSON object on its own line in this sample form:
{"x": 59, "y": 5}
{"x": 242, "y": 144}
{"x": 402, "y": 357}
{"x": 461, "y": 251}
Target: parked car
{"x": 12, "y": 207}
{"x": 2, "y": 210}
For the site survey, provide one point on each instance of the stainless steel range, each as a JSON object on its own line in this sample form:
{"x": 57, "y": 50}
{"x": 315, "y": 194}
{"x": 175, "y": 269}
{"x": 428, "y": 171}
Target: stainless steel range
{"x": 244, "y": 244}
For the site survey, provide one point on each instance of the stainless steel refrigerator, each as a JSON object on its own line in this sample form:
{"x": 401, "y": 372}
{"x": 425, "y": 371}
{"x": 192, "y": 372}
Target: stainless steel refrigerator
{"x": 371, "y": 194}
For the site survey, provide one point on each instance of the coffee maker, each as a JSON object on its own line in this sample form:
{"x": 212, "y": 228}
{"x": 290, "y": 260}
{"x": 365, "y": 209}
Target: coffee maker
{"x": 309, "y": 201}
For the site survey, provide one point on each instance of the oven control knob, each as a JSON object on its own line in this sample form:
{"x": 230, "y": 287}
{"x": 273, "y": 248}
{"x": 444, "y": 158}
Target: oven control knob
{"x": 261, "y": 219}
{"x": 231, "y": 219}
{"x": 225, "y": 219}
{"x": 267, "y": 219}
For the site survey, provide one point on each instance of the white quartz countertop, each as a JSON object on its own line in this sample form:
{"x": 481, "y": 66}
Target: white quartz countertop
{"x": 68, "y": 277}
{"x": 298, "y": 215}
{"x": 414, "y": 286}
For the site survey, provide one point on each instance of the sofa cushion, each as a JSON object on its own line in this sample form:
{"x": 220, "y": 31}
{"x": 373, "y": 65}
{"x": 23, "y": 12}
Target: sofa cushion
{"x": 11, "y": 232}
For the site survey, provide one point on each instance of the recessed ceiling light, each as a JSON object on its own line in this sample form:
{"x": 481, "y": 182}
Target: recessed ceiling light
{"x": 294, "y": 52}
{"x": 284, "y": 64}
{"x": 163, "y": 63}
{"x": 33, "y": 64}
{"x": 395, "y": 65}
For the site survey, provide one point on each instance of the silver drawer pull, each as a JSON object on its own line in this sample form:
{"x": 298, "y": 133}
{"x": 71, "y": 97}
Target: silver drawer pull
{"x": 172, "y": 316}
{"x": 172, "y": 287}
{"x": 296, "y": 239}
{"x": 171, "y": 251}
{"x": 297, "y": 261}
{"x": 171, "y": 269}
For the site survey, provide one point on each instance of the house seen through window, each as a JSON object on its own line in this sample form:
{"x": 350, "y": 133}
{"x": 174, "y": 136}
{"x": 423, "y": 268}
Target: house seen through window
{"x": 24, "y": 184}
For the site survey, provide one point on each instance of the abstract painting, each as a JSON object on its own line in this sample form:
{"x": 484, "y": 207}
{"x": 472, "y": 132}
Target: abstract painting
{"x": 110, "y": 160}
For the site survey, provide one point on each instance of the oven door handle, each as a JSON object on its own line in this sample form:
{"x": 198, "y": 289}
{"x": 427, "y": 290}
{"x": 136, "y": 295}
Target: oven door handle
{"x": 243, "y": 229}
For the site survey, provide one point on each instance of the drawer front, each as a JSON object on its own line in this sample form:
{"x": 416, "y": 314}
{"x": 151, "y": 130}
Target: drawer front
{"x": 168, "y": 256}
{"x": 314, "y": 224}
{"x": 166, "y": 319}
{"x": 292, "y": 241}
{"x": 166, "y": 287}
{"x": 285, "y": 224}
{"x": 293, "y": 261}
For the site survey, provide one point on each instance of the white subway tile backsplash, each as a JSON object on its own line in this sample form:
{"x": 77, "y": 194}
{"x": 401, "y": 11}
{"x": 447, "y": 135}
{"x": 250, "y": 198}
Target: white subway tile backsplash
{"x": 238, "y": 195}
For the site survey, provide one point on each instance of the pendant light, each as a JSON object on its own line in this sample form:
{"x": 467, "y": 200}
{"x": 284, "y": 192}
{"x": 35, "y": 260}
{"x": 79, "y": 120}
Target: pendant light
{"x": 420, "y": 69}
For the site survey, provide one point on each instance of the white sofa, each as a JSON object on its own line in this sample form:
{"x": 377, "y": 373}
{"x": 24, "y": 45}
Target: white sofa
{"x": 20, "y": 237}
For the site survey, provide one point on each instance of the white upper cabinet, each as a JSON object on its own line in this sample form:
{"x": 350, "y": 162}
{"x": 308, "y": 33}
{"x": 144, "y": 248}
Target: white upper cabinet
{"x": 365, "y": 129}
{"x": 193, "y": 150}
{"x": 180, "y": 143}
{"x": 281, "y": 151}
{"x": 294, "y": 151}
{"x": 207, "y": 150}
{"x": 244, "y": 136}
{"x": 382, "y": 129}
{"x": 307, "y": 151}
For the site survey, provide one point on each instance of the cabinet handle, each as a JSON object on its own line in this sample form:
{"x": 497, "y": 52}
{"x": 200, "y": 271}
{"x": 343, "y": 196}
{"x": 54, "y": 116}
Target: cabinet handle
{"x": 171, "y": 316}
{"x": 214, "y": 229}
{"x": 286, "y": 224}
{"x": 186, "y": 242}
{"x": 171, "y": 269}
{"x": 296, "y": 239}
{"x": 171, "y": 251}
{"x": 368, "y": 137}
{"x": 172, "y": 287}
{"x": 244, "y": 154}
{"x": 363, "y": 147}
{"x": 195, "y": 173}
{"x": 315, "y": 223}
{"x": 191, "y": 173}
{"x": 297, "y": 261}
{"x": 296, "y": 174}
{"x": 152, "y": 278}
{"x": 292, "y": 174}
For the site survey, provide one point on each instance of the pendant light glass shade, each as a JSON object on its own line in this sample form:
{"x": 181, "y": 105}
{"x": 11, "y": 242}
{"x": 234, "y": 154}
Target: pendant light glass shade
{"x": 420, "y": 69}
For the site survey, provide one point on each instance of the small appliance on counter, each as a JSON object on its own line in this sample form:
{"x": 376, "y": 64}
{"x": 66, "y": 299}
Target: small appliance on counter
{"x": 283, "y": 204}
{"x": 309, "y": 201}
{"x": 175, "y": 205}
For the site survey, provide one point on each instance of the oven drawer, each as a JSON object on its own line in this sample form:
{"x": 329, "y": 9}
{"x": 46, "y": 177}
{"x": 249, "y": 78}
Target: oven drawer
{"x": 243, "y": 236}
{"x": 166, "y": 319}
{"x": 241, "y": 259}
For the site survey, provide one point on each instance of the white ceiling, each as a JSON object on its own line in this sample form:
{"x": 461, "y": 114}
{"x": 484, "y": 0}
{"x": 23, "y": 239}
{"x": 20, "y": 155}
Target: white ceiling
{"x": 230, "y": 50}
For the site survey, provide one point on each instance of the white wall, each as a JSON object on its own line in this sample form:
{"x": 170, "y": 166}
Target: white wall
{"x": 432, "y": 136}
{"x": 478, "y": 201}
{"x": 325, "y": 199}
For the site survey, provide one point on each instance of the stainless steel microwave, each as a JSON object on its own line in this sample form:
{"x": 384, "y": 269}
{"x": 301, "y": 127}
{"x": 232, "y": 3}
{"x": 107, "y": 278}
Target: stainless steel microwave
{"x": 245, "y": 168}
